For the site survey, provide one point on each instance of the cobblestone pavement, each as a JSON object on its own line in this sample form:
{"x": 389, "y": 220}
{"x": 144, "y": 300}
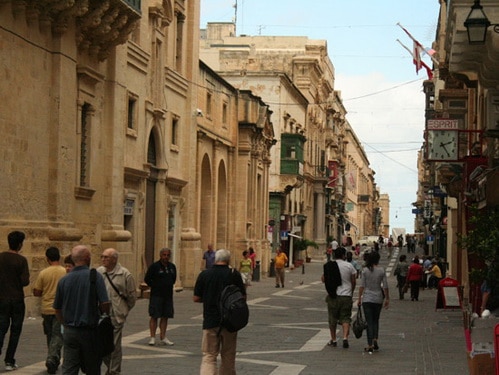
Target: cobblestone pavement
{"x": 287, "y": 335}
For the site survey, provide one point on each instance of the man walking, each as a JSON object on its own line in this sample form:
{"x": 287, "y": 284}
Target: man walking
{"x": 74, "y": 309}
{"x": 279, "y": 267}
{"x": 340, "y": 287}
{"x": 161, "y": 277}
{"x": 208, "y": 258}
{"x": 14, "y": 275}
{"x": 207, "y": 290}
{"x": 121, "y": 290}
{"x": 45, "y": 287}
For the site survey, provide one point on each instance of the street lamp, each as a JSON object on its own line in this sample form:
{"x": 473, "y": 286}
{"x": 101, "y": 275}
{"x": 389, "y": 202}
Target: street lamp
{"x": 477, "y": 24}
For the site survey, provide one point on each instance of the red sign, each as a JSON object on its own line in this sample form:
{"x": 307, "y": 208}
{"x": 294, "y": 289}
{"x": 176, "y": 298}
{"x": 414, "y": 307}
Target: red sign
{"x": 333, "y": 175}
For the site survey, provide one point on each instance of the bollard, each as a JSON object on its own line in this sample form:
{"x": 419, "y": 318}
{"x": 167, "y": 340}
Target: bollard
{"x": 256, "y": 272}
{"x": 303, "y": 269}
{"x": 271, "y": 269}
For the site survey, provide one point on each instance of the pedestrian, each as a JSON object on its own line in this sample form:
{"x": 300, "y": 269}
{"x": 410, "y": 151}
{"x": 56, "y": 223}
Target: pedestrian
{"x": 14, "y": 275}
{"x": 208, "y": 258}
{"x": 435, "y": 275}
{"x": 245, "y": 269}
{"x": 340, "y": 287}
{"x": 161, "y": 277}
{"x": 414, "y": 277}
{"x": 329, "y": 253}
{"x": 389, "y": 247}
{"x": 373, "y": 290}
{"x": 426, "y": 266}
{"x": 354, "y": 263}
{"x": 252, "y": 256}
{"x": 77, "y": 313}
{"x": 279, "y": 265}
{"x": 401, "y": 274}
{"x": 45, "y": 287}
{"x": 207, "y": 290}
{"x": 121, "y": 289}
{"x": 68, "y": 263}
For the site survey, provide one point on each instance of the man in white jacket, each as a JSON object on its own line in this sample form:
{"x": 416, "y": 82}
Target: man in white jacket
{"x": 121, "y": 289}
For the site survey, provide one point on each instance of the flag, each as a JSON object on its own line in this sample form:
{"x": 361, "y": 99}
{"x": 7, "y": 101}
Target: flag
{"x": 428, "y": 51}
{"x": 416, "y": 57}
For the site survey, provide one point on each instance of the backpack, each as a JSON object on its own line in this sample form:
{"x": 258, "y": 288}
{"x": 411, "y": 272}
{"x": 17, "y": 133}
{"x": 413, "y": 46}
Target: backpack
{"x": 234, "y": 311}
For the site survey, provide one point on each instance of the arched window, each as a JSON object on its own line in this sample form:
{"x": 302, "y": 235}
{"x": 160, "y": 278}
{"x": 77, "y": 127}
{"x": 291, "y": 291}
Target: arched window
{"x": 151, "y": 150}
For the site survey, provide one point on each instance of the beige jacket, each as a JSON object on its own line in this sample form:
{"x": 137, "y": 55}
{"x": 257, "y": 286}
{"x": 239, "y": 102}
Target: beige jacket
{"x": 125, "y": 283}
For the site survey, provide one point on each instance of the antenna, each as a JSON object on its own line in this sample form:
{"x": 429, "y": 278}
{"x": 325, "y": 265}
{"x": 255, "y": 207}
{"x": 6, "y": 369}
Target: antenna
{"x": 235, "y": 18}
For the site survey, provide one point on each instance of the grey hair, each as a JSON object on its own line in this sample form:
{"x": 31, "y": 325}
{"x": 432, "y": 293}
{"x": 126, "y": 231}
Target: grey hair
{"x": 222, "y": 255}
{"x": 165, "y": 250}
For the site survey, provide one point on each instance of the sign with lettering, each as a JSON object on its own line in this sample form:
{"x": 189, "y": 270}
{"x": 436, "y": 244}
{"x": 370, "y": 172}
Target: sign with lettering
{"x": 443, "y": 124}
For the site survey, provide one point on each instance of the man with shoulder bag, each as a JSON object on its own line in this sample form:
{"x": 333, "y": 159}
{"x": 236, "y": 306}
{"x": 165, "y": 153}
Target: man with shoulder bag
{"x": 121, "y": 288}
{"x": 78, "y": 305}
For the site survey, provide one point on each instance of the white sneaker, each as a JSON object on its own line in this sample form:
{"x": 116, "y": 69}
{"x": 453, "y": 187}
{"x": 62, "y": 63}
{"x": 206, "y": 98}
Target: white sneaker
{"x": 11, "y": 367}
{"x": 165, "y": 341}
{"x": 152, "y": 341}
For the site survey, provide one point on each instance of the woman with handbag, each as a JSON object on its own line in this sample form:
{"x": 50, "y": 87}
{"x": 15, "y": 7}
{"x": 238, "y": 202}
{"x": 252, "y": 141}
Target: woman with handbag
{"x": 373, "y": 290}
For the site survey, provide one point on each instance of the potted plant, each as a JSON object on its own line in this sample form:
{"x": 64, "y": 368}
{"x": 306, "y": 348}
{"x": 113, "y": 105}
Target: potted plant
{"x": 303, "y": 244}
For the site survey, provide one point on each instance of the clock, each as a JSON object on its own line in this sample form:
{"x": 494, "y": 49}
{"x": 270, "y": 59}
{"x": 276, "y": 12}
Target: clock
{"x": 442, "y": 145}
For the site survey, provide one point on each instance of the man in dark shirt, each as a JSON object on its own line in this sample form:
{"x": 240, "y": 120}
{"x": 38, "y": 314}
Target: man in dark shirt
{"x": 161, "y": 277}
{"x": 209, "y": 286}
{"x": 14, "y": 275}
{"x": 77, "y": 313}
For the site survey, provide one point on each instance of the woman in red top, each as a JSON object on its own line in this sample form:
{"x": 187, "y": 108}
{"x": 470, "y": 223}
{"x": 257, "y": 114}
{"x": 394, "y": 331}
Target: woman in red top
{"x": 414, "y": 277}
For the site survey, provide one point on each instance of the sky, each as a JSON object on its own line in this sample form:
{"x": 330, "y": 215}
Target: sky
{"x": 381, "y": 91}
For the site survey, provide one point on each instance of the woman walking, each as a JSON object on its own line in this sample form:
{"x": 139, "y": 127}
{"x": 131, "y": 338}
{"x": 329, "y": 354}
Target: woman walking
{"x": 373, "y": 289}
{"x": 414, "y": 277}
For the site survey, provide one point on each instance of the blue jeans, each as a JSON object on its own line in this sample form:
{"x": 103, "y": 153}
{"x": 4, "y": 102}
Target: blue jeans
{"x": 11, "y": 315}
{"x": 372, "y": 312}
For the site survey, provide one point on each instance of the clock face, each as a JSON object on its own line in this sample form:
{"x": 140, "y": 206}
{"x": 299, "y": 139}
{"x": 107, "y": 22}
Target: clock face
{"x": 442, "y": 145}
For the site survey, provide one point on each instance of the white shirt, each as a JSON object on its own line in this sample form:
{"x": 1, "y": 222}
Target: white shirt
{"x": 346, "y": 271}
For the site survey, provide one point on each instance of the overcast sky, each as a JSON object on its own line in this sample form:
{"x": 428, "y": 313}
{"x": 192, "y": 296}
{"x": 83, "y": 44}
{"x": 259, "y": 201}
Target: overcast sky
{"x": 380, "y": 88}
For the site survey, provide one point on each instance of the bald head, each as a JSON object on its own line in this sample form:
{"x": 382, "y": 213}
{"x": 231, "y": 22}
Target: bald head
{"x": 81, "y": 255}
{"x": 109, "y": 259}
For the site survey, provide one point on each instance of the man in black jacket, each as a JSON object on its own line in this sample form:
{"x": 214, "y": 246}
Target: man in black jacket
{"x": 209, "y": 286}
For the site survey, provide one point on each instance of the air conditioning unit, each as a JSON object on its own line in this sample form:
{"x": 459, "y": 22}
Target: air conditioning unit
{"x": 492, "y": 120}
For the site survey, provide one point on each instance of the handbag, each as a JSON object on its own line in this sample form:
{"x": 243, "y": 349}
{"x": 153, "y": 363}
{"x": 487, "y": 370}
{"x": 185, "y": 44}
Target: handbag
{"x": 104, "y": 331}
{"x": 359, "y": 324}
{"x": 405, "y": 288}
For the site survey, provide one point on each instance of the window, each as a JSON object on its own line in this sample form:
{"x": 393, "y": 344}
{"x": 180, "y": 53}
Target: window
{"x": 224, "y": 114}
{"x": 179, "y": 41}
{"x": 174, "y": 134}
{"x": 132, "y": 111}
{"x": 209, "y": 99}
{"x": 84, "y": 144}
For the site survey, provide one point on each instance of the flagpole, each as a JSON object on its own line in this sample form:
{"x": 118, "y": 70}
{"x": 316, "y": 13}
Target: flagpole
{"x": 435, "y": 61}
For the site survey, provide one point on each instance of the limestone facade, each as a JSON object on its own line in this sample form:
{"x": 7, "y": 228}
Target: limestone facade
{"x": 316, "y": 148}
{"x": 104, "y": 144}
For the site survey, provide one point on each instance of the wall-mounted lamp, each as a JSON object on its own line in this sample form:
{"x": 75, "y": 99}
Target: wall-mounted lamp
{"x": 477, "y": 24}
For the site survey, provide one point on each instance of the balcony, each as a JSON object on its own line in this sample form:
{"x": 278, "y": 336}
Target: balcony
{"x": 134, "y": 4}
{"x": 105, "y": 25}
{"x": 291, "y": 166}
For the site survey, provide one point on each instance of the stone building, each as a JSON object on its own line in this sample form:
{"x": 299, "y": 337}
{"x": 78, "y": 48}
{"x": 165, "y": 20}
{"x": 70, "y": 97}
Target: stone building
{"x": 361, "y": 193}
{"x": 295, "y": 76}
{"x": 104, "y": 143}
